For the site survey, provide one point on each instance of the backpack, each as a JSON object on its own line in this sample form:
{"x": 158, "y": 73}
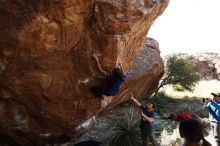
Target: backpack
{"x": 180, "y": 116}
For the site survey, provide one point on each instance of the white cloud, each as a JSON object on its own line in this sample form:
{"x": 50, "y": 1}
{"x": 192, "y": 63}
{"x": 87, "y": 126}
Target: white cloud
{"x": 188, "y": 26}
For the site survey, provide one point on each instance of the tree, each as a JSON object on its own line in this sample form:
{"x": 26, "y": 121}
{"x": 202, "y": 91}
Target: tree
{"x": 179, "y": 72}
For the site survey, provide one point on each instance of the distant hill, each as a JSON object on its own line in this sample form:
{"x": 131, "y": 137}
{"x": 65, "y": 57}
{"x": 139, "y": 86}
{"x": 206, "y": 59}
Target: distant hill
{"x": 207, "y": 65}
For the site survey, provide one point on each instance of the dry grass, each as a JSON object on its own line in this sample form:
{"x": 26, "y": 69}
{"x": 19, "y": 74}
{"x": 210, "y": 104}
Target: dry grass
{"x": 203, "y": 89}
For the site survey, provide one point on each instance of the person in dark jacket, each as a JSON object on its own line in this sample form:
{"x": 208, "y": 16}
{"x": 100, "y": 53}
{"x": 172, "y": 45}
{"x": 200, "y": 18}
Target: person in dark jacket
{"x": 114, "y": 79}
{"x": 148, "y": 117}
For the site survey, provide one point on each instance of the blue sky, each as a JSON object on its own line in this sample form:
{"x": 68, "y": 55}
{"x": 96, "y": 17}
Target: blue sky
{"x": 188, "y": 26}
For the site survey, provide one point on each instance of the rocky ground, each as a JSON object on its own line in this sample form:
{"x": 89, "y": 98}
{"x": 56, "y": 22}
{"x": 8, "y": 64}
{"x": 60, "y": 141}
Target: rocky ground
{"x": 101, "y": 130}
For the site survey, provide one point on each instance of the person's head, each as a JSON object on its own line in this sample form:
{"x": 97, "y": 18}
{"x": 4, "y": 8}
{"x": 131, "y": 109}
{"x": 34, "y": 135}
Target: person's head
{"x": 216, "y": 96}
{"x": 192, "y": 131}
{"x": 117, "y": 73}
{"x": 150, "y": 106}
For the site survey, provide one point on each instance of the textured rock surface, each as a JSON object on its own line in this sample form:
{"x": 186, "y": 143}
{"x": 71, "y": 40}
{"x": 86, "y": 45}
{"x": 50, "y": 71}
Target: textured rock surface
{"x": 46, "y": 65}
{"x": 207, "y": 65}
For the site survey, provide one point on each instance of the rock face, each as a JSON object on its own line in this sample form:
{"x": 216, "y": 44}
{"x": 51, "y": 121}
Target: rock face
{"x": 207, "y": 65}
{"x": 46, "y": 64}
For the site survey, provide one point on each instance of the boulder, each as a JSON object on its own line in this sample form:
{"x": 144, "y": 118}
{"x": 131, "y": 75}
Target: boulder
{"x": 46, "y": 64}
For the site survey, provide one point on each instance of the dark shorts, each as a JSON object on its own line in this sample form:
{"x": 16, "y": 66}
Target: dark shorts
{"x": 98, "y": 91}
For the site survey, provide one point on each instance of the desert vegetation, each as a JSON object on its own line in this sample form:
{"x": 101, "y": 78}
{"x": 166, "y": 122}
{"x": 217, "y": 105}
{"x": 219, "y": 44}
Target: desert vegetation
{"x": 123, "y": 122}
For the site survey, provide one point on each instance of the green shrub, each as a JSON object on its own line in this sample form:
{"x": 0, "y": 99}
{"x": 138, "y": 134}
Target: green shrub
{"x": 161, "y": 100}
{"x": 179, "y": 71}
{"x": 178, "y": 88}
{"x": 200, "y": 112}
{"x": 126, "y": 130}
{"x": 161, "y": 95}
{"x": 176, "y": 142}
{"x": 170, "y": 126}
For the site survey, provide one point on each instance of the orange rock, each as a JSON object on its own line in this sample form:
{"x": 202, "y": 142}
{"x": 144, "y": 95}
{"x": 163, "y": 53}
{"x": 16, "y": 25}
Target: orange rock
{"x": 46, "y": 64}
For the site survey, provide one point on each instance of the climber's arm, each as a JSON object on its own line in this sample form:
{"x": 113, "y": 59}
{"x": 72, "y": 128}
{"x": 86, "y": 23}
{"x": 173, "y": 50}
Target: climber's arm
{"x": 120, "y": 66}
{"x": 146, "y": 118}
{"x": 99, "y": 66}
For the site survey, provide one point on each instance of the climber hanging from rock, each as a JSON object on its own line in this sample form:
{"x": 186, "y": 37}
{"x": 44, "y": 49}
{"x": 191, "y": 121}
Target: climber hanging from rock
{"x": 113, "y": 82}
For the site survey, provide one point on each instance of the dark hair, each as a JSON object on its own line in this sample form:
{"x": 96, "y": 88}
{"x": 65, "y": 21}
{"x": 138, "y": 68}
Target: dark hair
{"x": 154, "y": 106}
{"x": 117, "y": 76}
{"x": 117, "y": 73}
{"x": 192, "y": 131}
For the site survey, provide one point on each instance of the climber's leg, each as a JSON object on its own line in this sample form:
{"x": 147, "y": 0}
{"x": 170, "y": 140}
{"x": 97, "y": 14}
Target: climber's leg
{"x": 98, "y": 91}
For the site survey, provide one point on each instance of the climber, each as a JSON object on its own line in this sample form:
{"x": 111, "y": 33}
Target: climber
{"x": 113, "y": 82}
{"x": 179, "y": 116}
